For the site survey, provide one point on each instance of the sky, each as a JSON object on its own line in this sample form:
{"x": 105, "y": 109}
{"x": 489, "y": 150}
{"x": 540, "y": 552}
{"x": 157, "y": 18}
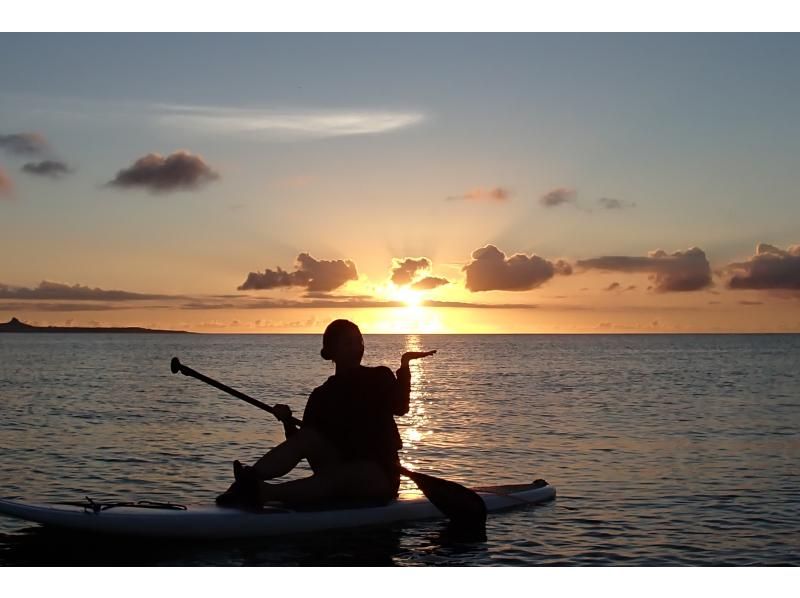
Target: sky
{"x": 420, "y": 183}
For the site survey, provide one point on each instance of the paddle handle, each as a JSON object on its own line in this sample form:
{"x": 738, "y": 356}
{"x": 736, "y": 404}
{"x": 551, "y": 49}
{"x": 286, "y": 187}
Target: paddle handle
{"x": 177, "y": 366}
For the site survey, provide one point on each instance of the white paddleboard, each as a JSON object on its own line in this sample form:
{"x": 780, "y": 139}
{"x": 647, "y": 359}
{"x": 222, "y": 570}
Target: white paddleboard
{"x": 208, "y": 522}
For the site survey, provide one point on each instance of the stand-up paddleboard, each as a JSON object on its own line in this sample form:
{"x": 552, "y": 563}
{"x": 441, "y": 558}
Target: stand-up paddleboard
{"x": 157, "y": 520}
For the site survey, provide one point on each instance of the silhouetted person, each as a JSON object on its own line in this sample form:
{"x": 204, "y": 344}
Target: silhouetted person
{"x": 349, "y": 435}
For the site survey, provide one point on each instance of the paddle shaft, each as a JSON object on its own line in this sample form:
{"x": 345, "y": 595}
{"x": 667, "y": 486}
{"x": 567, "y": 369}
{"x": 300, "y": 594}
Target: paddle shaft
{"x": 187, "y": 371}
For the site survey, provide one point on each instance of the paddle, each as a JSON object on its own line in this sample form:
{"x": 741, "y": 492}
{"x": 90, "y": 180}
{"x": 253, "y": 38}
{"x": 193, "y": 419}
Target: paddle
{"x": 460, "y": 504}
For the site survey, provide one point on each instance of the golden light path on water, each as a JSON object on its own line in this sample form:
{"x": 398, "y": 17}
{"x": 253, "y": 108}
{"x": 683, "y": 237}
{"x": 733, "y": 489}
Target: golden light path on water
{"x": 414, "y": 425}
{"x": 412, "y": 319}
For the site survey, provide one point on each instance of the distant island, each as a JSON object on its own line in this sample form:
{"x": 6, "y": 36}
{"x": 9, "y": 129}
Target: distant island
{"x": 14, "y": 325}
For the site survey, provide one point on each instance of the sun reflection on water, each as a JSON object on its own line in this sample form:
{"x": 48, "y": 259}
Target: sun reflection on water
{"x": 415, "y": 425}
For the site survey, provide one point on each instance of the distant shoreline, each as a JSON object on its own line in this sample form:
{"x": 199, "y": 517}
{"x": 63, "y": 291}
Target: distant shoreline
{"x": 15, "y": 326}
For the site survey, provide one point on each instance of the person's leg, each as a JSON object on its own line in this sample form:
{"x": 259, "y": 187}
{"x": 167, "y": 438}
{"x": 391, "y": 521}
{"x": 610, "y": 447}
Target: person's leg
{"x": 305, "y": 444}
{"x": 356, "y": 481}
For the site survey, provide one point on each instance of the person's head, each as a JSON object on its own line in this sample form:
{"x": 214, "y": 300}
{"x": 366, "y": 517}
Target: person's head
{"x": 342, "y": 343}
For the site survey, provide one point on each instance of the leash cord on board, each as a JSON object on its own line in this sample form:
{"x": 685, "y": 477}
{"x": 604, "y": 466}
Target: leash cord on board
{"x": 97, "y": 507}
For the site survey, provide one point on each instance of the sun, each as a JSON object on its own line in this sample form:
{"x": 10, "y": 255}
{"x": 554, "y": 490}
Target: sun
{"x": 408, "y": 296}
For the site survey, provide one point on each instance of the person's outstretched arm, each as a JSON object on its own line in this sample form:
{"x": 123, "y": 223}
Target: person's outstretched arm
{"x": 402, "y": 398}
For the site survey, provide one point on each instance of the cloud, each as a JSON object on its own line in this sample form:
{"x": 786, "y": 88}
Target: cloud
{"x": 680, "y": 271}
{"x": 429, "y": 283}
{"x": 269, "y": 303}
{"x": 6, "y": 184}
{"x": 55, "y": 291}
{"x": 609, "y": 203}
{"x": 490, "y": 270}
{"x": 340, "y": 302}
{"x": 612, "y": 287}
{"x": 770, "y": 268}
{"x": 751, "y": 303}
{"x": 24, "y": 144}
{"x": 321, "y": 295}
{"x": 404, "y": 271}
{"x": 314, "y": 275}
{"x": 469, "y": 305}
{"x": 290, "y": 123}
{"x": 49, "y": 168}
{"x": 178, "y": 171}
{"x": 493, "y": 195}
{"x": 412, "y": 271}
{"x": 36, "y": 306}
{"x": 556, "y": 197}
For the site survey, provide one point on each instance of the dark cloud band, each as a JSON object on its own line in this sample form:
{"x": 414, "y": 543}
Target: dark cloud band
{"x": 55, "y": 291}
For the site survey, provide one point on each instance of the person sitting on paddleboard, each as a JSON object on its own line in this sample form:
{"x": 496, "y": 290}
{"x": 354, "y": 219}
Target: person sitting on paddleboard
{"x": 349, "y": 435}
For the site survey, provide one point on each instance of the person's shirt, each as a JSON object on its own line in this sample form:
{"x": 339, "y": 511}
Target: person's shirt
{"x": 355, "y": 412}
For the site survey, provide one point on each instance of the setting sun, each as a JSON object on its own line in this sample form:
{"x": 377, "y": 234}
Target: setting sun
{"x": 408, "y": 296}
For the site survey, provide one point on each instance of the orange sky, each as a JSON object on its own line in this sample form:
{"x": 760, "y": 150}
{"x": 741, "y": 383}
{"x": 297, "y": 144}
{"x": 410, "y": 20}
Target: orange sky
{"x": 528, "y": 183}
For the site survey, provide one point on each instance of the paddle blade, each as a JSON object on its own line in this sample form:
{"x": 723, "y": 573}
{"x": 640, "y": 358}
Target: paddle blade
{"x": 460, "y": 504}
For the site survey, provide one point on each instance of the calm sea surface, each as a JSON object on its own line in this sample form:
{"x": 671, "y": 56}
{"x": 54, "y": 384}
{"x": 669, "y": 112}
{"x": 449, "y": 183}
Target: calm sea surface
{"x": 665, "y": 450}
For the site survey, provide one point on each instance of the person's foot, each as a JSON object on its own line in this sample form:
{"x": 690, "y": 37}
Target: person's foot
{"x": 248, "y": 485}
{"x": 235, "y": 496}
{"x": 229, "y": 498}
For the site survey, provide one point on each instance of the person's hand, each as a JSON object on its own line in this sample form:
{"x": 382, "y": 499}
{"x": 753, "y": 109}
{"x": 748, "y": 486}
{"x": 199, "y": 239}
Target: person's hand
{"x": 407, "y": 357}
{"x": 283, "y": 413}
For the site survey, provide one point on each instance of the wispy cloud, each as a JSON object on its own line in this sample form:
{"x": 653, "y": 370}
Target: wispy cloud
{"x": 492, "y": 195}
{"x": 38, "y": 306}
{"x": 289, "y": 122}
{"x": 24, "y": 144}
{"x": 610, "y": 203}
{"x": 273, "y": 122}
{"x": 274, "y": 303}
{"x": 47, "y": 168}
{"x": 6, "y": 185}
{"x": 343, "y": 303}
{"x": 429, "y": 283}
{"x": 557, "y": 197}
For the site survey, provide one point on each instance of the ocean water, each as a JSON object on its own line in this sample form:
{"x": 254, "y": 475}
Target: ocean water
{"x": 664, "y": 449}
